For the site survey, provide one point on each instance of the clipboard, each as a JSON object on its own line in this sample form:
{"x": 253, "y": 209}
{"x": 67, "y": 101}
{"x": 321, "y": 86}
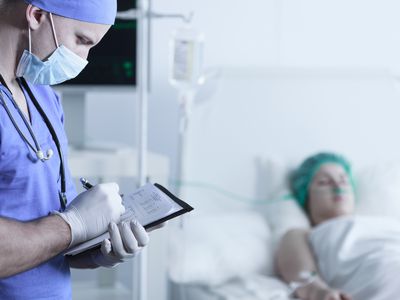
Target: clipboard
{"x": 151, "y": 205}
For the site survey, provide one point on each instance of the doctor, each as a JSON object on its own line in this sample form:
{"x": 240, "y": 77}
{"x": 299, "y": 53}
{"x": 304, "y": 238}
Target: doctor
{"x": 46, "y": 42}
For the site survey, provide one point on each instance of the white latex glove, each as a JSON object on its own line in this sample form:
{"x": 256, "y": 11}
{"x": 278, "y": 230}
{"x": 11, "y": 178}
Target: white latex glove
{"x": 90, "y": 212}
{"x": 126, "y": 241}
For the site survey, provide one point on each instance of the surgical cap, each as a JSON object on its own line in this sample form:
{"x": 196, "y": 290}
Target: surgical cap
{"x": 92, "y": 11}
{"x": 302, "y": 177}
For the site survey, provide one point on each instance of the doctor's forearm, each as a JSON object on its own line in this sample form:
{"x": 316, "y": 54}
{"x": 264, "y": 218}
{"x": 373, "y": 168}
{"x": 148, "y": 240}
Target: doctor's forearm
{"x": 26, "y": 245}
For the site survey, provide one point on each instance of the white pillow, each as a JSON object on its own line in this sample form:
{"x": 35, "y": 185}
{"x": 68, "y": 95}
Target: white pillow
{"x": 211, "y": 249}
{"x": 276, "y": 172}
{"x": 377, "y": 193}
{"x": 282, "y": 216}
{"x": 378, "y": 190}
{"x": 281, "y": 209}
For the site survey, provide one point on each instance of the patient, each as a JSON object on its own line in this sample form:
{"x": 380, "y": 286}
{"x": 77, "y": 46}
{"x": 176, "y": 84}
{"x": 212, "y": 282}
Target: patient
{"x": 354, "y": 257}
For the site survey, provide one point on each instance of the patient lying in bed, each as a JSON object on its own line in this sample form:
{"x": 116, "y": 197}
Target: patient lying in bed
{"x": 353, "y": 257}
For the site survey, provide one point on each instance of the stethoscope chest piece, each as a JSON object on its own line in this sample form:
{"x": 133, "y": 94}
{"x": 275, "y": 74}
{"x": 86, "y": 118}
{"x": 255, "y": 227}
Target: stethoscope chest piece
{"x": 40, "y": 155}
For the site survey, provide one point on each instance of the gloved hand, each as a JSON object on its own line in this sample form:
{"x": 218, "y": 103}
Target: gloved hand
{"x": 126, "y": 241}
{"x": 90, "y": 212}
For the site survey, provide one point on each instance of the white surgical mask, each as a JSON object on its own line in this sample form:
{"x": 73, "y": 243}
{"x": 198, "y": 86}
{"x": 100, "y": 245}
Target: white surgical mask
{"x": 62, "y": 65}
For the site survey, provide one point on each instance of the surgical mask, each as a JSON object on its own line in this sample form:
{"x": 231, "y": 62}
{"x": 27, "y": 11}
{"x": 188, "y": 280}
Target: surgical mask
{"x": 62, "y": 65}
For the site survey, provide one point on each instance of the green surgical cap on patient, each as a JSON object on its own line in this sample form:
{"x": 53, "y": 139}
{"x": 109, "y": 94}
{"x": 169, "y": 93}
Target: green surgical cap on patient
{"x": 302, "y": 177}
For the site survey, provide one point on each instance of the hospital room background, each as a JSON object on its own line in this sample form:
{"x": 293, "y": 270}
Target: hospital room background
{"x": 278, "y": 80}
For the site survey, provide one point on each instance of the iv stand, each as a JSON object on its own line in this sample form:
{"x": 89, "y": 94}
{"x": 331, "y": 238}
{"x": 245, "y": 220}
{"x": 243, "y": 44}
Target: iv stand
{"x": 139, "y": 284}
{"x": 143, "y": 15}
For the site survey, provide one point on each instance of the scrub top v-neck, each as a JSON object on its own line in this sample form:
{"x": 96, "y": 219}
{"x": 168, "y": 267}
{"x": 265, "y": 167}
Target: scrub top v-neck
{"x": 29, "y": 188}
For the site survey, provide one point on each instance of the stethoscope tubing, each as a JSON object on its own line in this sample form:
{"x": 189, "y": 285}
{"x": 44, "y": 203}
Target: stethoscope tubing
{"x": 50, "y": 127}
{"x": 16, "y": 126}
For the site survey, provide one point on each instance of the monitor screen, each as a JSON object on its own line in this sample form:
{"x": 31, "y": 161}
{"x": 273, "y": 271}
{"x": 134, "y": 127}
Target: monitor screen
{"x": 113, "y": 61}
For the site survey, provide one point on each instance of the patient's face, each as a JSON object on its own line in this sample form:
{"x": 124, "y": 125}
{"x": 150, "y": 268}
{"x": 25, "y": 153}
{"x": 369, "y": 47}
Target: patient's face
{"x": 330, "y": 194}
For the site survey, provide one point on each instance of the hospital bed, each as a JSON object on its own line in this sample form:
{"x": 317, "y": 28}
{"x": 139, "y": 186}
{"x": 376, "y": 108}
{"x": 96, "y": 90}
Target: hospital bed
{"x": 240, "y": 146}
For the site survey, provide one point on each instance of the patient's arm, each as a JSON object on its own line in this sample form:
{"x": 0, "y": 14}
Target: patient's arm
{"x": 294, "y": 255}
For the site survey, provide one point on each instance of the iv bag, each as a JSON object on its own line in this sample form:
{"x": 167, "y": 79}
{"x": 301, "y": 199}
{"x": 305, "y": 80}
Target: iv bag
{"x": 186, "y": 58}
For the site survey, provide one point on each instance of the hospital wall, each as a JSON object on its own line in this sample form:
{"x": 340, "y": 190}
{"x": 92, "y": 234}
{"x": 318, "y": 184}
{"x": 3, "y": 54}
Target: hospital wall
{"x": 274, "y": 37}
{"x": 308, "y": 34}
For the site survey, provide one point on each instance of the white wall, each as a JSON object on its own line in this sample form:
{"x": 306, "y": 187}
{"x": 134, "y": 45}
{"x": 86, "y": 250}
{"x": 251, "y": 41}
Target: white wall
{"x": 341, "y": 33}
{"x": 262, "y": 33}
{"x": 294, "y": 32}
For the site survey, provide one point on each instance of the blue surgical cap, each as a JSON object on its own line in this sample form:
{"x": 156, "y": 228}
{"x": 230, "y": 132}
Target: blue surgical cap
{"x": 92, "y": 11}
{"x": 302, "y": 177}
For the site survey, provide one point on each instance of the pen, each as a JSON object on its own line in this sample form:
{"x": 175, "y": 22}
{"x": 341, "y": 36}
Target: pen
{"x": 87, "y": 185}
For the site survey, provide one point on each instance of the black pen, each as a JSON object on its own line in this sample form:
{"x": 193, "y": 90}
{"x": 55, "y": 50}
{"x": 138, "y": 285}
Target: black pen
{"x": 87, "y": 185}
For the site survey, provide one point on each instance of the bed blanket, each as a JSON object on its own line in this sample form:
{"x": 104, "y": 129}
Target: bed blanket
{"x": 359, "y": 255}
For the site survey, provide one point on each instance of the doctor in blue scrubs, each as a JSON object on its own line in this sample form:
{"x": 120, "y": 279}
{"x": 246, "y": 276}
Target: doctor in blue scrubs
{"x": 42, "y": 43}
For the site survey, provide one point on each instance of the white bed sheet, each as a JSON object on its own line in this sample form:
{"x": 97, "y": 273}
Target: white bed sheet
{"x": 255, "y": 287}
{"x": 359, "y": 255}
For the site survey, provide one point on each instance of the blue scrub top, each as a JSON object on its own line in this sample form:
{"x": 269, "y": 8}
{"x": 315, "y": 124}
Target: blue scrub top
{"x": 29, "y": 190}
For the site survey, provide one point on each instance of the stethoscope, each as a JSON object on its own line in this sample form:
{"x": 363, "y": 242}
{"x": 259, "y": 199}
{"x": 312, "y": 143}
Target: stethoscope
{"x": 36, "y": 147}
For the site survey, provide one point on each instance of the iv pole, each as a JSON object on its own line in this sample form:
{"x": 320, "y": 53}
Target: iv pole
{"x": 139, "y": 284}
{"x": 143, "y": 14}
